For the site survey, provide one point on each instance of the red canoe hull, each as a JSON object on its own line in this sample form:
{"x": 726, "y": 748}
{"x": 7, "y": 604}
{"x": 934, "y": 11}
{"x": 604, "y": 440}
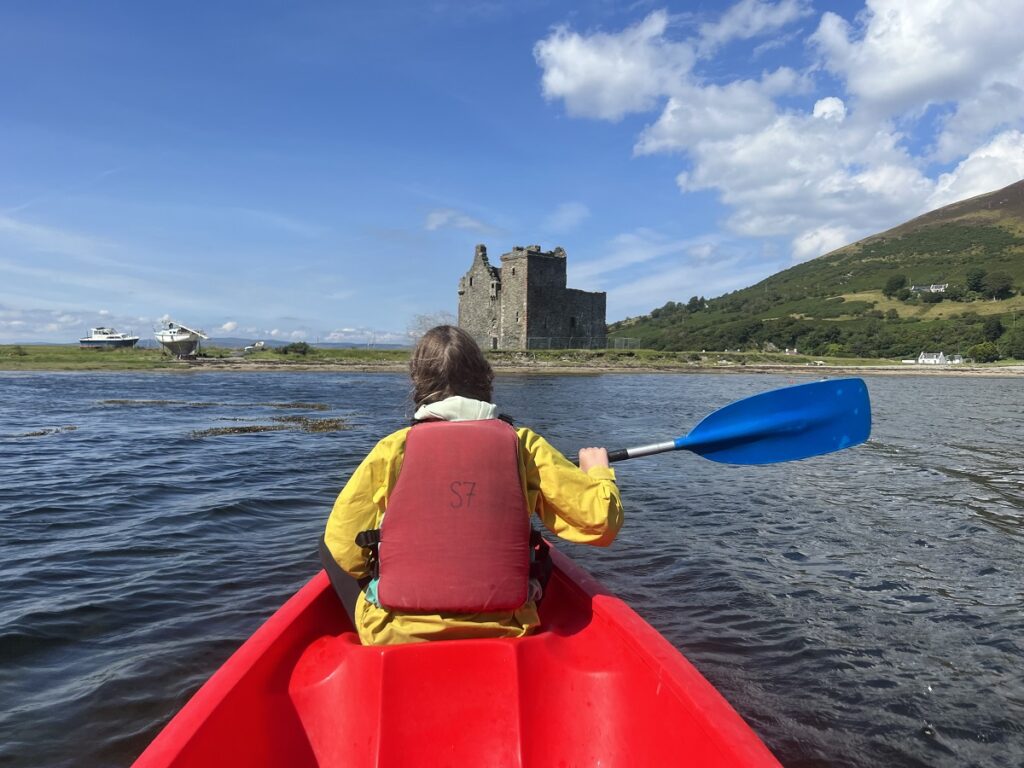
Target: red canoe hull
{"x": 598, "y": 686}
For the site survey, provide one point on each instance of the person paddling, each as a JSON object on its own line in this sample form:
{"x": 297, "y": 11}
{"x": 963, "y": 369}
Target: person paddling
{"x": 434, "y": 524}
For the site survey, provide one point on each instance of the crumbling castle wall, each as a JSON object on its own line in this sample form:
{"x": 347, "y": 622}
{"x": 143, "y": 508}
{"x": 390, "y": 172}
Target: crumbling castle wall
{"x": 480, "y": 300}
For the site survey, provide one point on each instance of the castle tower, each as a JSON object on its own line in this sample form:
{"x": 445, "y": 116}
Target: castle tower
{"x": 525, "y": 303}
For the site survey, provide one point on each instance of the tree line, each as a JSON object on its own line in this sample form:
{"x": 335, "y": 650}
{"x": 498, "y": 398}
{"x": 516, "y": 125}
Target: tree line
{"x": 868, "y": 333}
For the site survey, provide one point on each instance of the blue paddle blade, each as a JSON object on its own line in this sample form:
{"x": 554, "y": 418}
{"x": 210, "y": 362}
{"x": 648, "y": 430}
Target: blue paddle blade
{"x": 785, "y": 424}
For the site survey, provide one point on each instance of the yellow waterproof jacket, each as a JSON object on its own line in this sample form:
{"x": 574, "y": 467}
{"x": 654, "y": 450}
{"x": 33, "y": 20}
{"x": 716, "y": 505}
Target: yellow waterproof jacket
{"x": 576, "y": 506}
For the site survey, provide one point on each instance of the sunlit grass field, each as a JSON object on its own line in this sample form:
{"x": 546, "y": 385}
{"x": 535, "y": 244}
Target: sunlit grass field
{"x": 59, "y": 357}
{"x": 942, "y": 310}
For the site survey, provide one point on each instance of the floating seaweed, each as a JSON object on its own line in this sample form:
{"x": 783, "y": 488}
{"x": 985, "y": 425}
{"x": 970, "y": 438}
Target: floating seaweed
{"x": 49, "y": 431}
{"x": 305, "y": 423}
{"x": 314, "y": 425}
{"x": 241, "y": 430}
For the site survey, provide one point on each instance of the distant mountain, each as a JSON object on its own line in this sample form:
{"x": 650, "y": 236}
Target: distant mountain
{"x": 849, "y": 301}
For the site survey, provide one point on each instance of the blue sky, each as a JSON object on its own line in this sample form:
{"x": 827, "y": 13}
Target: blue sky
{"x": 322, "y": 171}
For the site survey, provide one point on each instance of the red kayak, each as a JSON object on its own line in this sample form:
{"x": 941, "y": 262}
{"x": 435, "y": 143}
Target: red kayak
{"x": 596, "y": 686}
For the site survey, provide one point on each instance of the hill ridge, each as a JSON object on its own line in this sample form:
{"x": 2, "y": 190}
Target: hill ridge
{"x": 848, "y": 301}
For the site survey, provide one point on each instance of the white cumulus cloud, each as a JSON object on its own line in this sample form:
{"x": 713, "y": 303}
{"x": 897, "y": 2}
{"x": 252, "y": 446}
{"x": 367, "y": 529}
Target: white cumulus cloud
{"x": 900, "y": 56}
{"x": 710, "y": 112}
{"x": 830, "y": 108}
{"x": 995, "y": 165}
{"x": 607, "y": 75}
{"x": 806, "y": 178}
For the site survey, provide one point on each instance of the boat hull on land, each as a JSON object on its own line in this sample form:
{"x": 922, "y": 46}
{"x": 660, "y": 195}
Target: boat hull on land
{"x": 179, "y": 340}
{"x": 107, "y": 338}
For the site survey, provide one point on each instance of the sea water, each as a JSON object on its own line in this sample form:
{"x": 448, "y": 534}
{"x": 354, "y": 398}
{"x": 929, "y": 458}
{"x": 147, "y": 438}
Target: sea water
{"x": 864, "y": 608}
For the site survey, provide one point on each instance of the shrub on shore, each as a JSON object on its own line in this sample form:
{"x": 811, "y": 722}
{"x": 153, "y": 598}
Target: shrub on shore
{"x": 296, "y": 348}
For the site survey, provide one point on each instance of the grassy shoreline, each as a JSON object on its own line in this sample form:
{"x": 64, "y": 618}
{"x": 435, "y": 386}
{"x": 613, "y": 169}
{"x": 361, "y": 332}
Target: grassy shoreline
{"x": 29, "y": 357}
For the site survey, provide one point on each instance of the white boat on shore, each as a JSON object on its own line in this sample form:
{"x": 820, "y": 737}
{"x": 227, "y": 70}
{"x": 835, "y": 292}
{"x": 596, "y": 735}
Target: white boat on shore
{"x": 107, "y": 338}
{"x": 179, "y": 340}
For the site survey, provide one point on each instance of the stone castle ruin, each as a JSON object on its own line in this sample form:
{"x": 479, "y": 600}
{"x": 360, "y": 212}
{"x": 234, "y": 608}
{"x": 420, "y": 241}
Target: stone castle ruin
{"x": 524, "y": 304}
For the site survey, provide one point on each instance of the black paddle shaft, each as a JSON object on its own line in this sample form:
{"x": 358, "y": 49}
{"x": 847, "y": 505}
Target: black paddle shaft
{"x": 620, "y": 454}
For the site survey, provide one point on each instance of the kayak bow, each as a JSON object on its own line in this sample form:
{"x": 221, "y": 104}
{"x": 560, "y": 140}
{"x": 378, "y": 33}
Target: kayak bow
{"x": 596, "y": 686}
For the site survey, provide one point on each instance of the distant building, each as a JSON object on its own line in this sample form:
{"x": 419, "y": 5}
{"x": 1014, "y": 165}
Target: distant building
{"x": 525, "y": 304}
{"x": 932, "y": 358}
{"x": 938, "y": 288}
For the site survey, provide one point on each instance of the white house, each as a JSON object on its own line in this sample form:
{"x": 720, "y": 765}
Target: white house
{"x": 932, "y": 358}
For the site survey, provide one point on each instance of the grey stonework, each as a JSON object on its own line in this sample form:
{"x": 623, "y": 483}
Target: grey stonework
{"x": 524, "y": 304}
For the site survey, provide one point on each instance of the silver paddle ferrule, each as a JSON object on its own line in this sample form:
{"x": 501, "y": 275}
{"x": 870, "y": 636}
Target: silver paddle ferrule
{"x": 647, "y": 450}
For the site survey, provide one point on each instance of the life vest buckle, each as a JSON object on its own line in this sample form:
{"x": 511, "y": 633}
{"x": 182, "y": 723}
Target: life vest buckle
{"x": 370, "y": 540}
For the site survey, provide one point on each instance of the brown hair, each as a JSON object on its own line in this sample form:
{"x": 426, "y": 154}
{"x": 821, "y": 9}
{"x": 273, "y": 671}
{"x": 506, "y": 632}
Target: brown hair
{"x": 447, "y": 362}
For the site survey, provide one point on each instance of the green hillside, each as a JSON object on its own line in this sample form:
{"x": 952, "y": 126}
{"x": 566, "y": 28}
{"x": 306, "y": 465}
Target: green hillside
{"x": 865, "y": 299}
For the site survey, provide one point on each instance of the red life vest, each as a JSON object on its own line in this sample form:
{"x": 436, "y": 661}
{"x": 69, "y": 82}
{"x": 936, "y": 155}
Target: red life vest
{"x": 456, "y": 534}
